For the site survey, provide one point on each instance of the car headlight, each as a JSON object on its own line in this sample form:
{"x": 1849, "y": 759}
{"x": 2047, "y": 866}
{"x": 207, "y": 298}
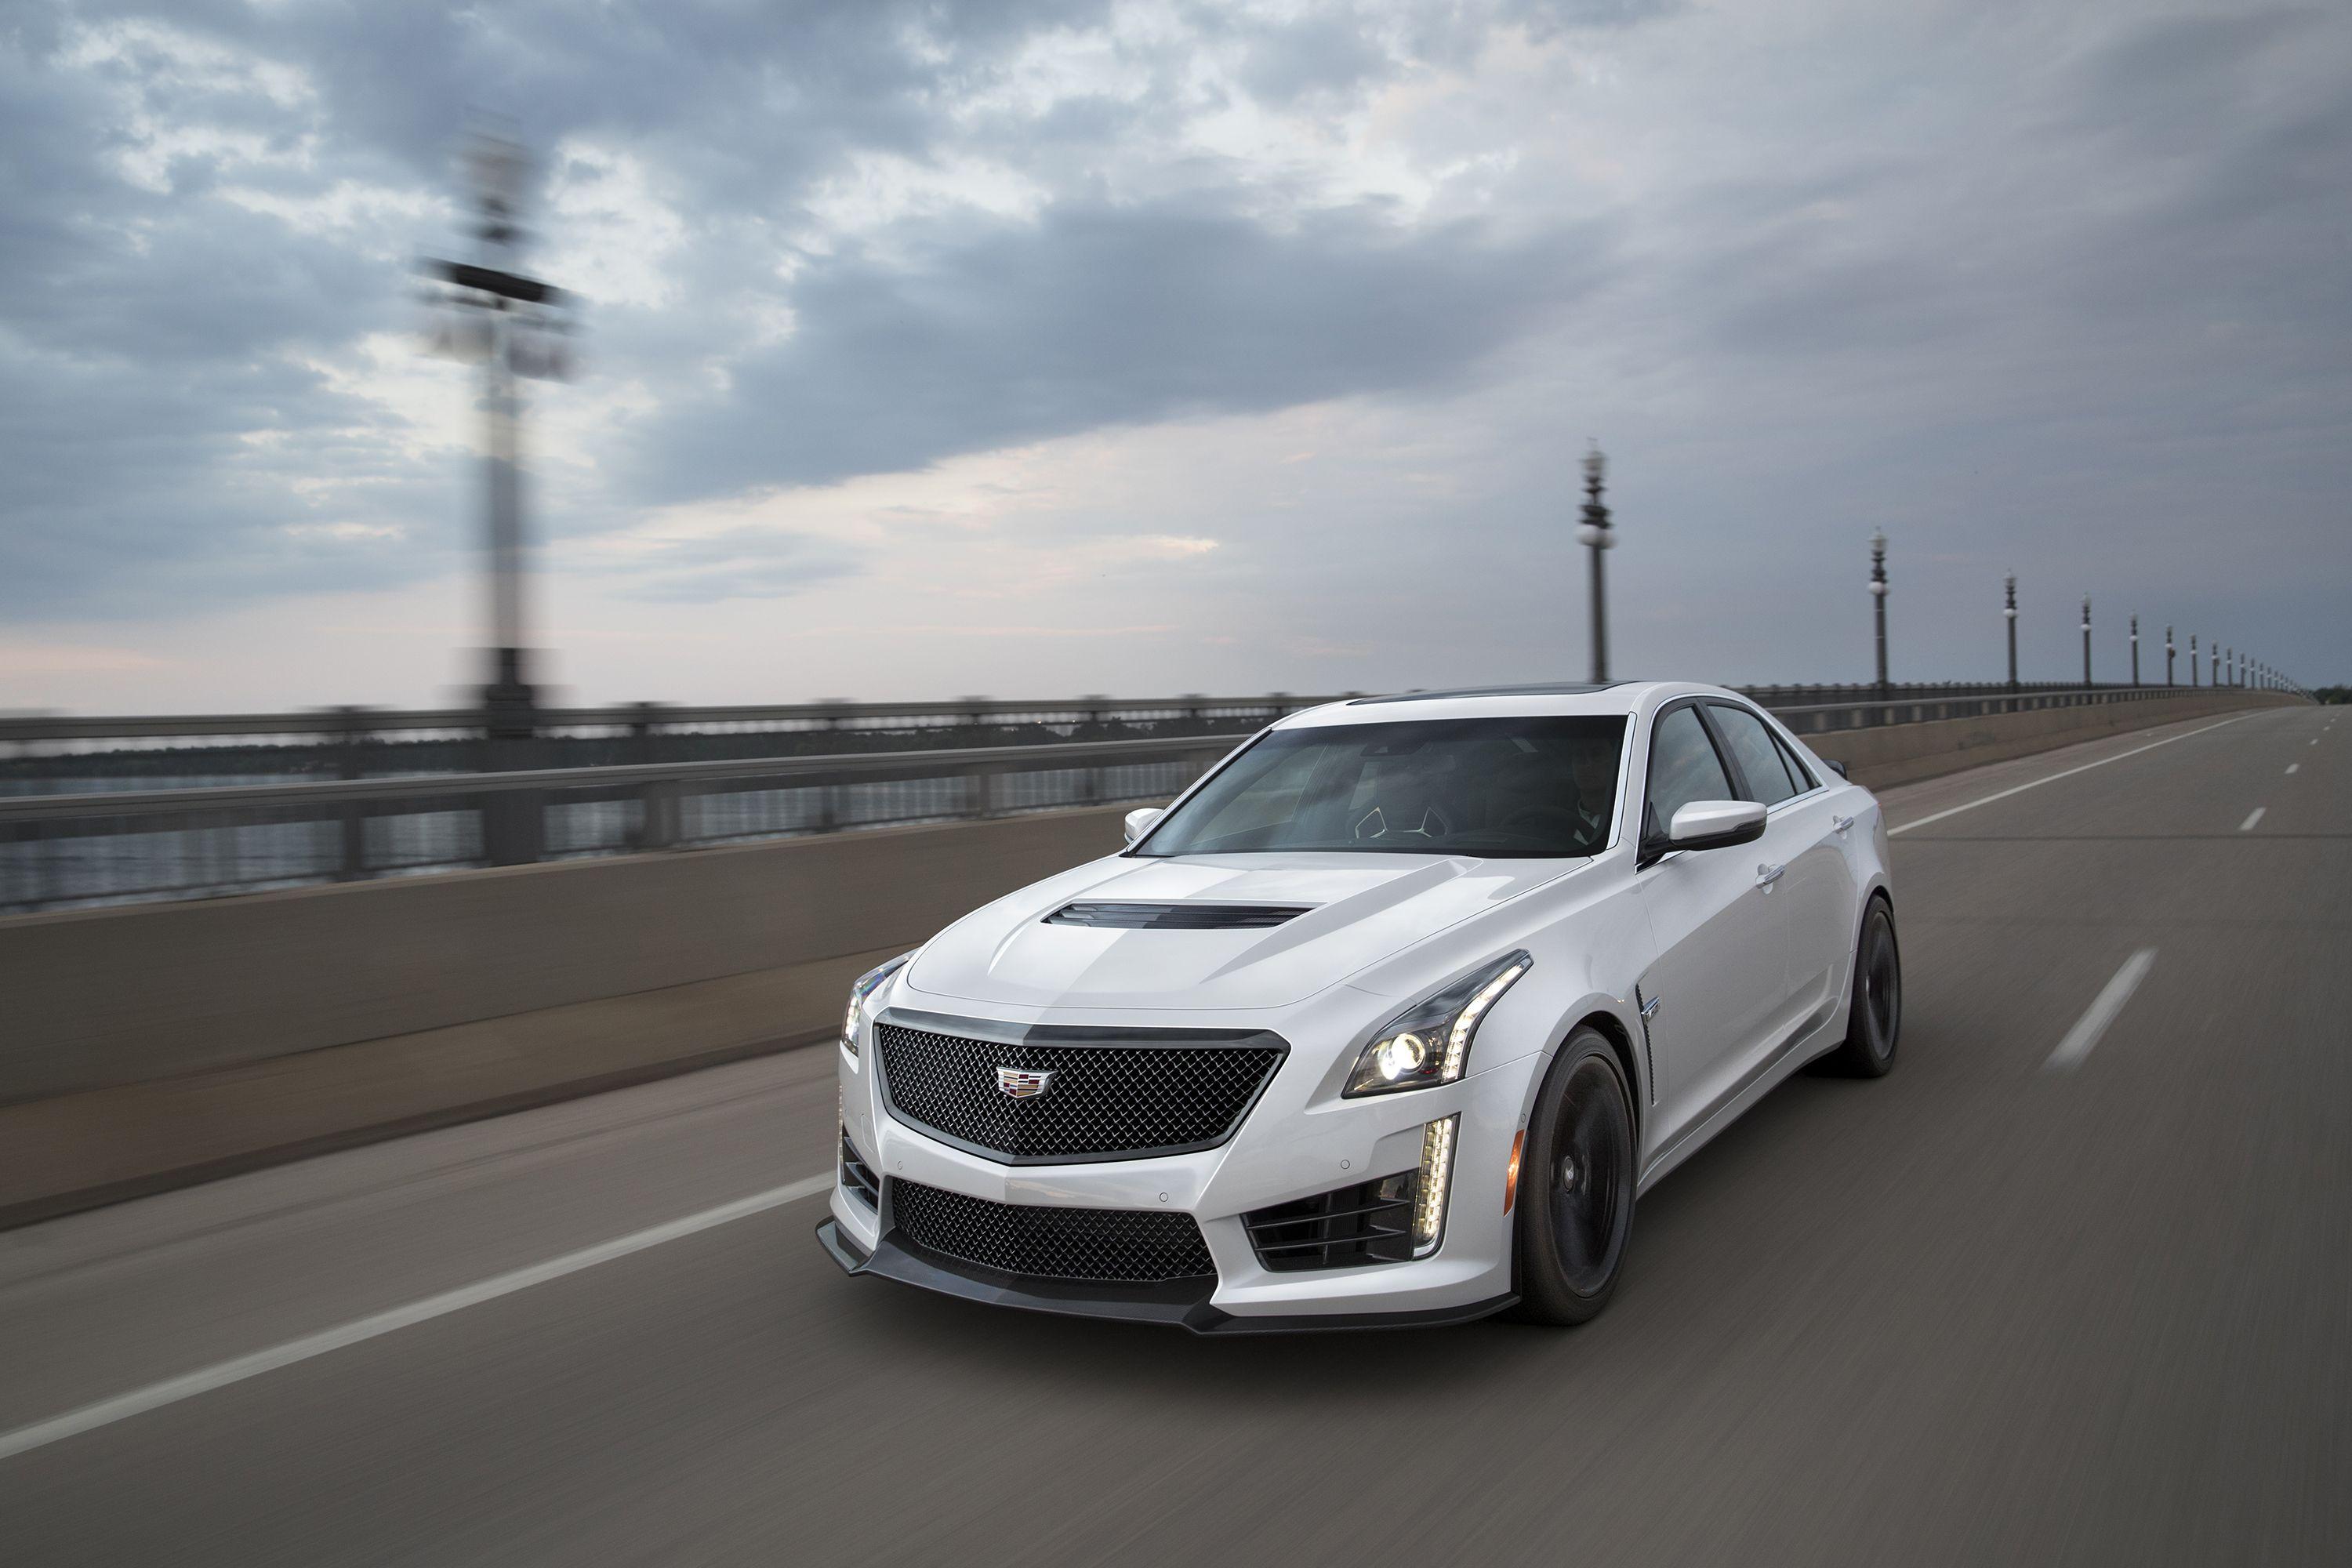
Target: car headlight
{"x": 1429, "y": 1042}
{"x": 867, "y": 983}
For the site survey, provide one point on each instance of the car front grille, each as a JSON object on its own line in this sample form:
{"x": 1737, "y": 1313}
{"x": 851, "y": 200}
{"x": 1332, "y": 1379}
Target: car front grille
{"x": 1153, "y": 1092}
{"x": 1370, "y": 1221}
{"x": 1133, "y": 1246}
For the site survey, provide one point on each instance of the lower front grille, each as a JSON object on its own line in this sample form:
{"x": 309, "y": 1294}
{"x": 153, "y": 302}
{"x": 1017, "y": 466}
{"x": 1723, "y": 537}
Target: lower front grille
{"x": 1370, "y": 1221}
{"x": 1134, "y": 1247}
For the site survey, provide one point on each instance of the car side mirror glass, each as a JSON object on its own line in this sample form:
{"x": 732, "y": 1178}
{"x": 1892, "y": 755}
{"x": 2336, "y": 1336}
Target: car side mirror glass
{"x": 1837, "y": 767}
{"x": 1715, "y": 825}
{"x": 1139, "y": 821}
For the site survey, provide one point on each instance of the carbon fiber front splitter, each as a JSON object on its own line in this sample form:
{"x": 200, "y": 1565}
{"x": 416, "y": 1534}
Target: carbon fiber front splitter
{"x": 1180, "y": 1303}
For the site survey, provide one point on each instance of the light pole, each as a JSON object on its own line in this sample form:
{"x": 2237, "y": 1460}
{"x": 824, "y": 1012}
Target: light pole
{"x": 1599, "y": 538}
{"x": 2009, "y": 613}
{"x": 509, "y": 323}
{"x": 1878, "y": 594}
{"x": 2135, "y": 646}
{"x": 2086, "y": 639}
{"x": 2192, "y": 658}
{"x": 2167, "y": 656}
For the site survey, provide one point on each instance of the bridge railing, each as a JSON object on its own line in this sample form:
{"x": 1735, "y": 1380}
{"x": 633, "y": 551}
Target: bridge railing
{"x": 113, "y": 843}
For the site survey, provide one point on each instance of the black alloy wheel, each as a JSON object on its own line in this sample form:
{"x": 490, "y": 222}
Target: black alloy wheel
{"x": 1577, "y": 1174}
{"x": 1875, "y": 1019}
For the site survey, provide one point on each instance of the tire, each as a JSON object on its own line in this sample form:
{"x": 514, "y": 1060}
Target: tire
{"x": 1874, "y": 1016}
{"x": 1575, "y": 1186}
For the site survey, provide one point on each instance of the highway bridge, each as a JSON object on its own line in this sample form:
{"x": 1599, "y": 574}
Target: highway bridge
{"x": 2070, "y": 1286}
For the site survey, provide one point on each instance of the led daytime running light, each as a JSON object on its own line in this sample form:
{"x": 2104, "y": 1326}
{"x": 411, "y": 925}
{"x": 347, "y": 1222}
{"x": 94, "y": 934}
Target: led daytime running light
{"x": 1436, "y": 1176}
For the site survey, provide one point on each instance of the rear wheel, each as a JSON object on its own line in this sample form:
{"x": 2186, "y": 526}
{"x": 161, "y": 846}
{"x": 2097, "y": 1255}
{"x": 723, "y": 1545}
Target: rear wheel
{"x": 1875, "y": 1020}
{"x": 1576, "y": 1186}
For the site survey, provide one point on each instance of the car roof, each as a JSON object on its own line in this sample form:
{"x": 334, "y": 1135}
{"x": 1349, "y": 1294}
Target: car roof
{"x": 1615, "y": 699}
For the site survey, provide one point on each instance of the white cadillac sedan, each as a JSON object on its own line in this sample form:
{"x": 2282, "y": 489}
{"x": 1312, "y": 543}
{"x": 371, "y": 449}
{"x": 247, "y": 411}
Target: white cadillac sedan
{"x": 1388, "y": 1020}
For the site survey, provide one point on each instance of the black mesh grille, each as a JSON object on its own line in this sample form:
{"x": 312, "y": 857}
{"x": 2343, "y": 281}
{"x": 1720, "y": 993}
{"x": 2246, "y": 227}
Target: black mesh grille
{"x": 1134, "y": 1247}
{"x": 1177, "y": 917}
{"x": 1101, "y": 1102}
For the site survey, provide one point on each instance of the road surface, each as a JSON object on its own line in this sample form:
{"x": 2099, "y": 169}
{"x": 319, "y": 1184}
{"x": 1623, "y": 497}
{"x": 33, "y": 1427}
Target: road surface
{"x": 1994, "y": 1309}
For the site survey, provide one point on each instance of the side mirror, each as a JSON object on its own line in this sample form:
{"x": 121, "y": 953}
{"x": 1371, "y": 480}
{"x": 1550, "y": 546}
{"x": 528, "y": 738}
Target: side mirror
{"x": 1837, "y": 767}
{"x": 1139, "y": 821}
{"x": 1715, "y": 825}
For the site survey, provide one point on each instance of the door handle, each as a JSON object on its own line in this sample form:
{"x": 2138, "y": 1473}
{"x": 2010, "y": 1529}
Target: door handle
{"x": 1840, "y": 824}
{"x": 1768, "y": 875}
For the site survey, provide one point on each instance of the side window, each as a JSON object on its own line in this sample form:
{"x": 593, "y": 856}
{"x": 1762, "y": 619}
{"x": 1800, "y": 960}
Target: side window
{"x": 1796, "y": 769}
{"x": 1760, "y": 760}
{"x": 1683, "y": 767}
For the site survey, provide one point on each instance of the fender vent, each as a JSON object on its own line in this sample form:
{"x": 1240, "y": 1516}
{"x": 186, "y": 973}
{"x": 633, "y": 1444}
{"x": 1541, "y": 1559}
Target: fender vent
{"x": 1177, "y": 917}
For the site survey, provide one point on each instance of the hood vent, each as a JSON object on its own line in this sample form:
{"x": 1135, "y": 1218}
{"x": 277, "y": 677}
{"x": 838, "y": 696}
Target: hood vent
{"x": 1177, "y": 917}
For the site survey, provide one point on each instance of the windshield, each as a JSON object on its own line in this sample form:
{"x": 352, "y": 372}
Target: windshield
{"x": 1531, "y": 786}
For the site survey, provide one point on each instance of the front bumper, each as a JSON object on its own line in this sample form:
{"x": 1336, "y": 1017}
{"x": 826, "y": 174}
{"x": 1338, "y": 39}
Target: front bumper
{"x": 1299, "y": 1140}
{"x": 1180, "y": 1304}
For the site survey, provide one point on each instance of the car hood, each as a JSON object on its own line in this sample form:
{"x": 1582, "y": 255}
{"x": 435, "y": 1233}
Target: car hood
{"x": 1364, "y": 908}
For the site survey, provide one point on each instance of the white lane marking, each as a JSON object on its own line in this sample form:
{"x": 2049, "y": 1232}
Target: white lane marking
{"x": 2292, "y": 767}
{"x": 170, "y": 1390}
{"x": 2103, "y": 1008}
{"x": 2251, "y": 817}
{"x": 2053, "y": 778}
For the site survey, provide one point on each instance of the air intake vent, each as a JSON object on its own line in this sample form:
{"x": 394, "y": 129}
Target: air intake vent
{"x": 1177, "y": 917}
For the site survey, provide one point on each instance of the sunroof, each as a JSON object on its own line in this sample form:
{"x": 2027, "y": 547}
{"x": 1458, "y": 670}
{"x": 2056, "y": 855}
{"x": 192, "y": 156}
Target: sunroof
{"x": 1536, "y": 689}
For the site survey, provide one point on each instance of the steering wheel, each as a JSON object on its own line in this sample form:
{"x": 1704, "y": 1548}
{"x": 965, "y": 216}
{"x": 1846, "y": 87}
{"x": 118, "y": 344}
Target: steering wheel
{"x": 1432, "y": 824}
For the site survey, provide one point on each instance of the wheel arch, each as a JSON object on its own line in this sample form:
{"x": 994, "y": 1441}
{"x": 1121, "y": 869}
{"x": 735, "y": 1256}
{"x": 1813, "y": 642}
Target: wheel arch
{"x": 1611, "y": 1028}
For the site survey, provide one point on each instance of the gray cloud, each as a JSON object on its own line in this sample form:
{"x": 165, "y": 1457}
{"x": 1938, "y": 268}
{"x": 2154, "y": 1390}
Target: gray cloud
{"x": 1097, "y": 315}
{"x": 2048, "y": 287}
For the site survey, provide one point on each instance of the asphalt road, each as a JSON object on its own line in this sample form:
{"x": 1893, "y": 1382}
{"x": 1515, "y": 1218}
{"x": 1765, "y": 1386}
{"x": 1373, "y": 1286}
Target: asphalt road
{"x": 1984, "y": 1310}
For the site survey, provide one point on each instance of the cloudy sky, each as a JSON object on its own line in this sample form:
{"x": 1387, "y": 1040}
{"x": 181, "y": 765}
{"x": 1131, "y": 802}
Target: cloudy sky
{"x": 1047, "y": 346}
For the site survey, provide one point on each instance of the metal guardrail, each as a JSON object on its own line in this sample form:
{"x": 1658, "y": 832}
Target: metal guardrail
{"x": 112, "y": 846}
{"x": 638, "y": 718}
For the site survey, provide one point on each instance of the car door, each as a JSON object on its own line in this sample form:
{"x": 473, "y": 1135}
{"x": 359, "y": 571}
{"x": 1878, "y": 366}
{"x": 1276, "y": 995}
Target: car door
{"x": 1802, "y": 850}
{"x": 1719, "y": 977}
{"x": 1819, "y": 884}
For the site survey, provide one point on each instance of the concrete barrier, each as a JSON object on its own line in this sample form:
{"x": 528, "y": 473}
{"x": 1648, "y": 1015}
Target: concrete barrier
{"x": 153, "y": 1044}
{"x": 119, "y": 995}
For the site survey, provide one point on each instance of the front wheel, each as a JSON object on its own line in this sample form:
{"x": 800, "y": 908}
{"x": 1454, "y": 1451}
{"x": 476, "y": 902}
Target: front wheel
{"x": 1576, "y": 1186}
{"x": 1875, "y": 1018}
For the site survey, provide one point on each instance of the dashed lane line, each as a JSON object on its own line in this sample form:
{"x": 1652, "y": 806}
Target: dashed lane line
{"x": 2101, "y": 1013}
{"x": 2053, "y": 778}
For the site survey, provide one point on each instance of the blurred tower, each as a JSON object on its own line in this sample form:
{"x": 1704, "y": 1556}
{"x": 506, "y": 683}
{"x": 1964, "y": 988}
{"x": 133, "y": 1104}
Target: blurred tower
{"x": 2167, "y": 656}
{"x": 512, "y": 326}
{"x": 2135, "y": 647}
{"x": 2009, "y": 613}
{"x": 2086, "y": 639}
{"x": 1599, "y": 538}
{"x": 1878, "y": 597}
